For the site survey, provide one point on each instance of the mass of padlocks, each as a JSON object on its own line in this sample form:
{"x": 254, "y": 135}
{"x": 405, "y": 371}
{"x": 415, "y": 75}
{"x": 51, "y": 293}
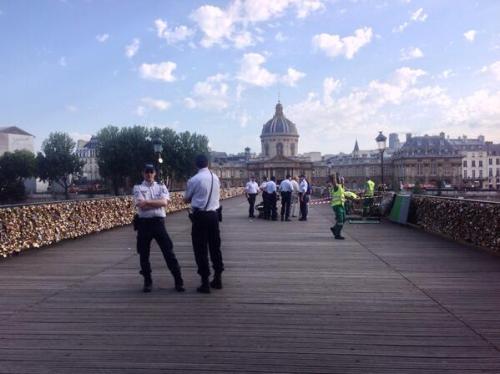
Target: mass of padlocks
{"x": 468, "y": 221}
{"x": 34, "y": 226}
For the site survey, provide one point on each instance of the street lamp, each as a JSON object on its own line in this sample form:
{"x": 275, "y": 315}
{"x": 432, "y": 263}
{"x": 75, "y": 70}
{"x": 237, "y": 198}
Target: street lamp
{"x": 381, "y": 139}
{"x": 158, "y": 148}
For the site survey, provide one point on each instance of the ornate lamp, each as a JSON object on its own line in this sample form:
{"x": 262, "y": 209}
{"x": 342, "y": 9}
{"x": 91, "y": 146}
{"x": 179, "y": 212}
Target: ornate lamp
{"x": 381, "y": 144}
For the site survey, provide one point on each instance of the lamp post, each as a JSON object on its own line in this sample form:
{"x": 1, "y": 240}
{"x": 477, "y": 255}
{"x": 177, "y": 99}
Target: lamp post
{"x": 381, "y": 139}
{"x": 158, "y": 148}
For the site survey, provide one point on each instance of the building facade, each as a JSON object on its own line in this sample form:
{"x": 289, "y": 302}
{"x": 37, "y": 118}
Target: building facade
{"x": 12, "y": 138}
{"x": 431, "y": 161}
{"x": 87, "y": 152}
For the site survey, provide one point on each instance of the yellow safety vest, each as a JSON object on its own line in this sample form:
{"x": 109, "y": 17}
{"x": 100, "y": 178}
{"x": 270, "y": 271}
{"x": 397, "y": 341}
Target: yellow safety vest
{"x": 370, "y": 188}
{"x": 338, "y": 197}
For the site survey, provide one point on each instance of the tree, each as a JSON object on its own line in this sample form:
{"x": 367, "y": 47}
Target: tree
{"x": 188, "y": 146}
{"x": 14, "y": 167}
{"x": 58, "y": 162}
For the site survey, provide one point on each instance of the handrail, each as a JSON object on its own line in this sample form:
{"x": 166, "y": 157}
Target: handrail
{"x": 457, "y": 198}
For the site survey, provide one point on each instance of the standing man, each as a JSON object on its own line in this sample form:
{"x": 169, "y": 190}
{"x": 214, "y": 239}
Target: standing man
{"x": 203, "y": 192}
{"x": 151, "y": 198}
{"x": 286, "y": 189}
{"x": 338, "y": 197}
{"x": 265, "y": 199}
{"x": 271, "y": 190}
{"x": 368, "y": 196}
{"x": 295, "y": 195}
{"x": 251, "y": 191}
{"x": 303, "y": 197}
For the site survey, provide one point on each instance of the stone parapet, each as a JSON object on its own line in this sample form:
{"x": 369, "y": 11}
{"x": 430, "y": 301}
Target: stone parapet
{"x": 38, "y": 225}
{"x": 471, "y": 221}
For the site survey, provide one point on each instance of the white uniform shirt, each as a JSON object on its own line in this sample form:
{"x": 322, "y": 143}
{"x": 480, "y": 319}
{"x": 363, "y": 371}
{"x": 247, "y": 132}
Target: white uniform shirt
{"x": 252, "y": 187}
{"x": 270, "y": 187}
{"x": 198, "y": 190}
{"x": 303, "y": 186}
{"x": 263, "y": 186}
{"x": 286, "y": 186}
{"x": 150, "y": 191}
{"x": 295, "y": 186}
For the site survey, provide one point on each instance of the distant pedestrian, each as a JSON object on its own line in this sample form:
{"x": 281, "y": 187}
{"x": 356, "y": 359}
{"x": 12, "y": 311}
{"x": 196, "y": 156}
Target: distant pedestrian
{"x": 265, "y": 199}
{"x": 251, "y": 191}
{"x": 203, "y": 192}
{"x": 272, "y": 198}
{"x": 151, "y": 199}
{"x": 368, "y": 196}
{"x": 295, "y": 196}
{"x": 304, "y": 193}
{"x": 286, "y": 189}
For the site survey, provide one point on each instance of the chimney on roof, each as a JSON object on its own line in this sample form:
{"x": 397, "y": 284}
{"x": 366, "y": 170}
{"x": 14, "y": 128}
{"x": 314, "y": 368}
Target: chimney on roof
{"x": 408, "y": 137}
{"x": 441, "y": 135}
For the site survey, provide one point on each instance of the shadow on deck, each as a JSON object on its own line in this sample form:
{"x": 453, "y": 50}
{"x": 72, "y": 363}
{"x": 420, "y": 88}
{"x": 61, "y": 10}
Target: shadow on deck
{"x": 389, "y": 299}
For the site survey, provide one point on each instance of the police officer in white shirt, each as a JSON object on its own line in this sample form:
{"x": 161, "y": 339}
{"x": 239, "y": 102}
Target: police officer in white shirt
{"x": 295, "y": 195}
{"x": 303, "y": 197}
{"x": 151, "y": 199}
{"x": 265, "y": 200}
{"x": 203, "y": 192}
{"x": 271, "y": 191}
{"x": 251, "y": 191}
{"x": 286, "y": 189}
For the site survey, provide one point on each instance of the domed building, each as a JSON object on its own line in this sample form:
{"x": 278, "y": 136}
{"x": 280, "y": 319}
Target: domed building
{"x": 280, "y": 146}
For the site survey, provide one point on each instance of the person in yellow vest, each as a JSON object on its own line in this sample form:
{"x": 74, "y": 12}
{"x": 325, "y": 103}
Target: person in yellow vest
{"x": 368, "y": 196}
{"x": 338, "y": 196}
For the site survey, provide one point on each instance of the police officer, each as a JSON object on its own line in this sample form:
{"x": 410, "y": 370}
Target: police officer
{"x": 286, "y": 189}
{"x": 303, "y": 197}
{"x": 265, "y": 199}
{"x": 251, "y": 191}
{"x": 203, "y": 192}
{"x": 272, "y": 198}
{"x": 151, "y": 199}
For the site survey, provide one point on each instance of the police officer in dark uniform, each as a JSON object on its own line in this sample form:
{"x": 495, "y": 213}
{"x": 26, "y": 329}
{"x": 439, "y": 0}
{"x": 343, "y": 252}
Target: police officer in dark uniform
{"x": 203, "y": 192}
{"x": 151, "y": 198}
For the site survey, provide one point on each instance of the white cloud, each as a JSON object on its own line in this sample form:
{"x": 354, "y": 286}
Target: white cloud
{"x": 101, "y": 38}
{"x": 253, "y": 73}
{"x": 148, "y": 103}
{"x": 76, "y": 136}
{"x": 493, "y": 69}
{"x": 417, "y": 16}
{"x": 279, "y": 37}
{"x": 334, "y": 45}
{"x": 292, "y": 77}
{"x": 132, "y": 49}
{"x": 233, "y": 24}
{"x": 445, "y": 74}
{"x": 210, "y": 94}
{"x": 470, "y": 35}
{"x": 330, "y": 85}
{"x": 63, "y": 62}
{"x": 162, "y": 71}
{"x": 479, "y": 110}
{"x": 174, "y": 35}
{"x": 411, "y": 53}
{"x": 71, "y": 108}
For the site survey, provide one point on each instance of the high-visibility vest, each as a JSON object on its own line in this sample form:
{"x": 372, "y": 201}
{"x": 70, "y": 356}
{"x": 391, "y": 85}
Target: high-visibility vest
{"x": 370, "y": 188}
{"x": 338, "y": 197}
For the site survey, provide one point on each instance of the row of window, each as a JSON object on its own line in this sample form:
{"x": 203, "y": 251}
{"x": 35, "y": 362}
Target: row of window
{"x": 473, "y": 163}
{"x": 480, "y": 175}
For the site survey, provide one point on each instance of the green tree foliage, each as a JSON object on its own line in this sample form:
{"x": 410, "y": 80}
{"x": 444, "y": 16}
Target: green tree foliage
{"x": 14, "y": 167}
{"x": 58, "y": 162}
{"x": 122, "y": 153}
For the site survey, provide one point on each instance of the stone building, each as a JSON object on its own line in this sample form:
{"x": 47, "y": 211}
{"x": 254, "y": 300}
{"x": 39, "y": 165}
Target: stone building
{"x": 359, "y": 164}
{"x": 428, "y": 160}
{"x": 12, "y": 138}
{"x": 87, "y": 152}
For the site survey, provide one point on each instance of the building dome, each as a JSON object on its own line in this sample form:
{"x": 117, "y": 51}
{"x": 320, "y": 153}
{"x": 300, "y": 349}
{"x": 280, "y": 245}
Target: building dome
{"x": 279, "y": 124}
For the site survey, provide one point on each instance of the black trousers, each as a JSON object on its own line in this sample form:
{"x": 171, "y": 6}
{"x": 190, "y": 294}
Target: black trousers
{"x": 286, "y": 201}
{"x": 273, "y": 210}
{"x": 154, "y": 228}
{"x": 205, "y": 236}
{"x": 304, "y": 200}
{"x": 251, "y": 201}
{"x": 267, "y": 207}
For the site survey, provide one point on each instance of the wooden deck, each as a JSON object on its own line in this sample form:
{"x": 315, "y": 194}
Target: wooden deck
{"x": 389, "y": 299}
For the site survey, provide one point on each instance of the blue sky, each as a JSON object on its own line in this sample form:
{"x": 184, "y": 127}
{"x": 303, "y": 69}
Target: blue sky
{"x": 343, "y": 69}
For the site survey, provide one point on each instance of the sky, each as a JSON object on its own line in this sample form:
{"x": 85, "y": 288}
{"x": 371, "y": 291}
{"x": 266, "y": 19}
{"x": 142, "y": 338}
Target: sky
{"x": 343, "y": 69}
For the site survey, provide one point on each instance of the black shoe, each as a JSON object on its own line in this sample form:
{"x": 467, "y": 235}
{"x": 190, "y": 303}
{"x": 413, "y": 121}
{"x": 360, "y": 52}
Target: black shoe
{"x": 339, "y": 237}
{"x": 332, "y": 229}
{"x": 288, "y": 220}
{"x": 148, "y": 285}
{"x": 204, "y": 288}
{"x": 216, "y": 283}
{"x": 179, "y": 287}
